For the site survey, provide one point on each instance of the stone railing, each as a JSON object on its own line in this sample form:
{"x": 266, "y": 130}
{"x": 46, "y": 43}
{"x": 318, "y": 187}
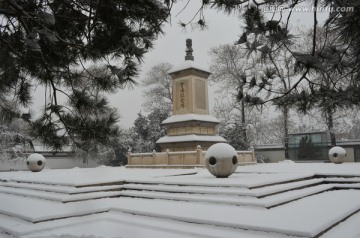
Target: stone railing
{"x": 194, "y": 158}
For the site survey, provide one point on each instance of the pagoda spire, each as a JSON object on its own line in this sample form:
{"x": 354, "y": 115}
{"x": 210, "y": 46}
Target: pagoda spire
{"x": 189, "y": 50}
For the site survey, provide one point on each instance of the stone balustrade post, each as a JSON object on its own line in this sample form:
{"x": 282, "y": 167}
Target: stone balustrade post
{"x": 129, "y": 157}
{"x": 198, "y": 154}
{"x": 253, "y": 154}
{"x": 167, "y": 156}
{"x": 153, "y": 157}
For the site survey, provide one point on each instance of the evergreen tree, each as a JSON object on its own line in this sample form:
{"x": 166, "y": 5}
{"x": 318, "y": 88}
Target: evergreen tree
{"x": 156, "y": 130}
{"x": 327, "y": 83}
{"x": 146, "y": 131}
{"x": 55, "y": 43}
{"x": 234, "y": 136}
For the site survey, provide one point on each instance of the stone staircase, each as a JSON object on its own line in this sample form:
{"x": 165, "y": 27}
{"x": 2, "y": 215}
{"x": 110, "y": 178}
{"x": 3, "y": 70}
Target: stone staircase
{"x": 144, "y": 197}
{"x": 266, "y": 196}
{"x": 59, "y": 193}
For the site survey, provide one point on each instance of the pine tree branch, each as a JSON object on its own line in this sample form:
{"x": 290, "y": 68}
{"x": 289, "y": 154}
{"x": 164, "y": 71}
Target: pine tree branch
{"x": 303, "y": 76}
{"x": 314, "y": 31}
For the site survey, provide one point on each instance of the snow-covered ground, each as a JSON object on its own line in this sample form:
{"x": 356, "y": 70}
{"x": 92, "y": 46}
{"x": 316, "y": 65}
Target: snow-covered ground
{"x": 263, "y": 200}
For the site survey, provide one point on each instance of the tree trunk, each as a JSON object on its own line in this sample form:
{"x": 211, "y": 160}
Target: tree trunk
{"x": 243, "y": 122}
{"x": 286, "y": 131}
{"x": 330, "y": 124}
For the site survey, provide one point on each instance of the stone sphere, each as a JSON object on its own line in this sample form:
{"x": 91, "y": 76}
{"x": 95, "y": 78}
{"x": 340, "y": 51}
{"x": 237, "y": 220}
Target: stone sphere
{"x": 337, "y": 154}
{"x": 35, "y": 162}
{"x": 221, "y": 160}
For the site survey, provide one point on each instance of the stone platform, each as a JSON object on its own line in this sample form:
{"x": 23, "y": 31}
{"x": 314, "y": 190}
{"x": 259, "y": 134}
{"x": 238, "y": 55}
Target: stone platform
{"x": 264, "y": 200}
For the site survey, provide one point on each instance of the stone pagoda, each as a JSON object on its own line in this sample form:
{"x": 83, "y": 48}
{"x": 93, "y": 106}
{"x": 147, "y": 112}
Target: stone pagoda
{"x": 190, "y": 124}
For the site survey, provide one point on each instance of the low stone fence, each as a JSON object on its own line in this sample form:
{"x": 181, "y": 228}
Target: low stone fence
{"x": 50, "y": 163}
{"x": 179, "y": 159}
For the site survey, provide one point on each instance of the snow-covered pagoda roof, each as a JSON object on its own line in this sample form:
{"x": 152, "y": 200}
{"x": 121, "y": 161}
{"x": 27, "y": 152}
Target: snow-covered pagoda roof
{"x": 192, "y": 137}
{"x": 190, "y": 117}
{"x": 188, "y": 64}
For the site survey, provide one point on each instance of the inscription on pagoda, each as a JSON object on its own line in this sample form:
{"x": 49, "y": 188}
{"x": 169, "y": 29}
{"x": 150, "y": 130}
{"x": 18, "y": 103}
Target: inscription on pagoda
{"x": 182, "y": 95}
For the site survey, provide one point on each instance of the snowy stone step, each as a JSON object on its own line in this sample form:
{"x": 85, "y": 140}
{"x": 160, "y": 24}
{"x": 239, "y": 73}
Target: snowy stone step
{"x": 112, "y": 224}
{"x": 60, "y": 188}
{"x": 237, "y": 180}
{"x": 342, "y": 179}
{"x": 283, "y": 187}
{"x": 267, "y": 202}
{"x": 258, "y": 192}
{"x": 58, "y": 197}
{"x": 188, "y": 189}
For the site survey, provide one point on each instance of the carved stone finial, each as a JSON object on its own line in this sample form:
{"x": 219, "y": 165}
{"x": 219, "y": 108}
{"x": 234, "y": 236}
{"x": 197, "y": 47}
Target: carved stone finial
{"x": 189, "y": 50}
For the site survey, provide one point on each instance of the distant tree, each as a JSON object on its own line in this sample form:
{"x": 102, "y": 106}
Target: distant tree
{"x": 14, "y": 139}
{"x": 14, "y": 130}
{"x": 228, "y": 65}
{"x": 121, "y": 147}
{"x": 55, "y": 43}
{"x": 346, "y": 122}
{"x": 351, "y": 130}
{"x": 156, "y": 129}
{"x": 146, "y": 131}
{"x": 234, "y": 136}
{"x": 264, "y": 125}
{"x": 157, "y": 88}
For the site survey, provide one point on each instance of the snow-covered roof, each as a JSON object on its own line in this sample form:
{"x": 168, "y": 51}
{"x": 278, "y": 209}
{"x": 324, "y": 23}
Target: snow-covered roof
{"x": 270, "y": 146}
{"x": 308, "y": 133}
{"x": 348, "y": 142}
{"x": 43, "y": 148}
{"x": 190, "y": 117}
{"x": 188, "y": 64}
{"x": 187, "y": 138}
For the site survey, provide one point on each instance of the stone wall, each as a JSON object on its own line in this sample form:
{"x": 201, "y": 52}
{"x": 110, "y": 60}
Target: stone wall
{"x": 274, "y": 155}
{"x": 50, "y": 163}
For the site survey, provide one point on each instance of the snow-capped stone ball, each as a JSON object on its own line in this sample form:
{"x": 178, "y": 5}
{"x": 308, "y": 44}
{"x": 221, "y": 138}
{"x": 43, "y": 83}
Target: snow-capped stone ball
{"x": 35, "y": 162}
{"x": 221, "y": 160}
{"x": 337, "y": 154}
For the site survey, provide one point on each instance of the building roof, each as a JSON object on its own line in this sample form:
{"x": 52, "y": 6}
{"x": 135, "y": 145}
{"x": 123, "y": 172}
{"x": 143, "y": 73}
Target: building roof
{"x": 191, "y": 137}
{"x": 308, "y": 133}
{"x": 270, "y": 146}
{"x": 43, "y": 148}
{"x": 188, "y": 64}
{"x": 190, "y": 117}
{"x": 348, "y": 142}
